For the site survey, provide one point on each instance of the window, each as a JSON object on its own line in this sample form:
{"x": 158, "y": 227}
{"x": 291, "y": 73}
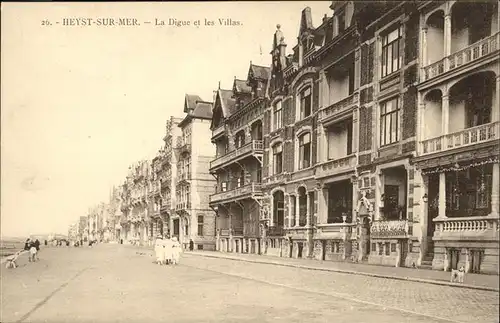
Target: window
{"x": 277, "y": 116}
{"x": 305, "y": 151}
{"x": 278, "y": 158}
{"x": 389, "y": 120}
{"x": 391, "y": 51}
{"x": 223, "y": 186}
{"x": 240, "y": 139}
{"x": 279, "y": 209}
{"x": 200, "y": 225}
{"x": 305, "y": 103}
{"x": 341, "y": 21}
{"x": 241, "y": 179}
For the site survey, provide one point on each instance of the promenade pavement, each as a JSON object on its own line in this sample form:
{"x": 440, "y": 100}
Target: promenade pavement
{"x": 476, "y": 281}
{"x": 116, "y": 283}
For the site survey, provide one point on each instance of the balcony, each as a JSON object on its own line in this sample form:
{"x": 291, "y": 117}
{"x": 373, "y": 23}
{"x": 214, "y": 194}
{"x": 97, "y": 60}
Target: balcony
{"x": 277, "y": 178}
{"x": 335, "y": 230}
{"x": 474, "y": 228}
{"x": 336, "y": 166}
{"x": 242, "y": 192}
{"x": 276, "y": 231}
{"x": 182, "y": 205}
{"x": 183, "y": 178}
{"x": 165, "y": 207}
{"x": 467, "y": 137}
{"x": 183, "y": 147}
{"x": 224, "y": 232}
{"x": 255, "y": 147}
{"x": 391, "y": 229}
{"x": 338, "y": 108}
{"x": 463, "y": 57}
{"x": 217, "y": 131}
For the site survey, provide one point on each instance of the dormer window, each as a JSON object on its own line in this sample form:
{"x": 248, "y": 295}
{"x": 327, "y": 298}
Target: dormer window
{"x": 305, "y": 103}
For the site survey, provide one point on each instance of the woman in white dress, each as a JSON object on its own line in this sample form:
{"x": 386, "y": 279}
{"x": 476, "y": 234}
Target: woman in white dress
{"x": 176, "y": 251}
{"x": 159, "y": 250}
{"x": 167, "y": 249}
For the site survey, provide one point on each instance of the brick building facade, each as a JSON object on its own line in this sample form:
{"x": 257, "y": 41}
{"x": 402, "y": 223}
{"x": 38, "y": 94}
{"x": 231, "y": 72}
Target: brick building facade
{"x": 368, "y": 135}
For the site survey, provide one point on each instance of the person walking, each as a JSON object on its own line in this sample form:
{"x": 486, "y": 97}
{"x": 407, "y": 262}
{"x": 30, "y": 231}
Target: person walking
{"x": 191, "y": 245}
{"x": 37, "y": 246}
{"x": 167, "y": 246}
{"x": 176, "y": 251}
{"x": 158, "y": 249}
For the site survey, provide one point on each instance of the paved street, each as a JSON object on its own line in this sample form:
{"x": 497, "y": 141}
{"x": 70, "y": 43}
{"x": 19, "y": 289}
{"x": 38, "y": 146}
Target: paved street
{"x": 114, "y": 283}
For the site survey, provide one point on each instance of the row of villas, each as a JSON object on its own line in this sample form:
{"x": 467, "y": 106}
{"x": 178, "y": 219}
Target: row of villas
{"x": 167, "y": 195}
{"x": 375, "y": 140}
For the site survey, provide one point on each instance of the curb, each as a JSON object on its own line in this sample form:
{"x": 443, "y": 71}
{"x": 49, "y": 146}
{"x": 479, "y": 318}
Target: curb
{"x": 351, "y": 272}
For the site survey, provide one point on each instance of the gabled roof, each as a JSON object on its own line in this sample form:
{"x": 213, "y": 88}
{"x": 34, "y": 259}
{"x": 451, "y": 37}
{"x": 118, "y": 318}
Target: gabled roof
{"x": 190, "y": 102}
{"x": 203, "y": 110}
{"x": 241, "y": 86}
{"x": 223, "y": 107}
{"x": 259, "y": 72}
{"x": 196, "y": 108}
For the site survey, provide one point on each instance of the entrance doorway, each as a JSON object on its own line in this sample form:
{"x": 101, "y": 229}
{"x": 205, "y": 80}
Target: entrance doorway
{"x": 300, "y": 247}
{"x": 323, "y": 249}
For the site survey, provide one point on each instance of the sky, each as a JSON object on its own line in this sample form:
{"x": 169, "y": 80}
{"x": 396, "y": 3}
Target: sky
{"x": 79, "y": 104}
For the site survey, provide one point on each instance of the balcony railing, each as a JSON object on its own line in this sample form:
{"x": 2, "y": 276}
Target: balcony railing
{"x": 183, "y": 205}
{"x": 390, "y": 228}
{"x": 466, "y": 137}
{"x": 336, "y": 166}
{"x": 217, "y": 131}
{"x": 467, "y": 227}
{"x": 252, "y": 188}
{"x": 165, "y": 207}
{"x": 237, "y": 231}
{"x": 255, "y": 146}
{"x": 339, "y": 107}
{"x": 224, "y": 232}
{"x": 469, "y": 54}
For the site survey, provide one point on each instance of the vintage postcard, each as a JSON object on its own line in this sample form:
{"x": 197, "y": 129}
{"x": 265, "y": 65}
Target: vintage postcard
{"x": 270, "y": 161}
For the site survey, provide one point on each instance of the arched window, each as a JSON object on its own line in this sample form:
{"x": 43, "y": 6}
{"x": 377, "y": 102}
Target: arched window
{"x": 305, "y": 150}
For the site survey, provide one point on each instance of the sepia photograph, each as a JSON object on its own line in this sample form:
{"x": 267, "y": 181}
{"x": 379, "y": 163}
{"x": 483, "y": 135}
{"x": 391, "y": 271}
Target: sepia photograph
{"x": 250, "y": 161}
